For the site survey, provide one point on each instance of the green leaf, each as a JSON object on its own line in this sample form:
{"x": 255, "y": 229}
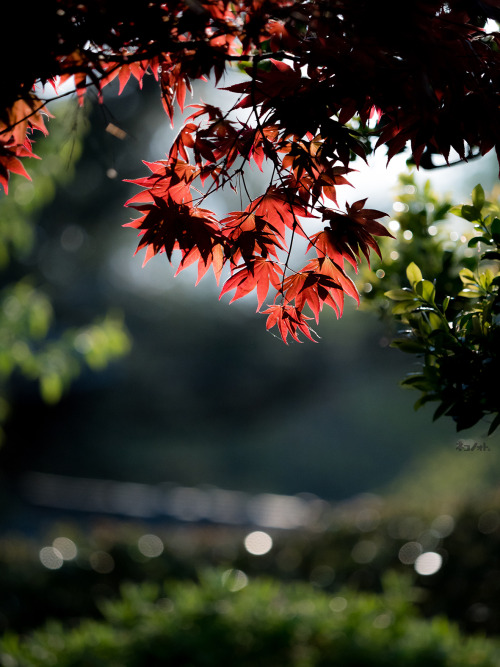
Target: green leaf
{"x": 406, "y": 307}
{"x": 435, "y": 321}
{"x": 478, "y": 197}
{"x": 494, "y": 424}
{"x": 423, "y": 400}
{"x": 478, "y": 239}
{"x": 413, "y": 273}
{"x": 466, "y": 319}
{"x": 495, "y": 230}
{"x": 471, "y": 213}
{"x": 466, "y": 276}
{"x": 441, "y": 409}
{"x": 399, "y": 294}
{"x": 410, "y": 346}
{"x": 442, "y": 340}
{"x": 486, "y": 278}
{"x": 446, "y": 303}
{"x": 491, "y": 254}
{"x": 416, "y": 382}
{"x": 469, "y": 293}
{"x": 426, "y": 290}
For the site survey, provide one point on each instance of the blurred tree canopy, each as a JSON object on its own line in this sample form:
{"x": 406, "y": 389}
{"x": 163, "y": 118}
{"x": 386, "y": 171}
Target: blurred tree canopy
{"x": 33, "y": 342}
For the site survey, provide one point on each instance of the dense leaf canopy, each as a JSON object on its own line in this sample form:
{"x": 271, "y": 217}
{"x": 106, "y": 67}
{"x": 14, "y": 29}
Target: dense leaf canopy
{"x": 325, "y": 81}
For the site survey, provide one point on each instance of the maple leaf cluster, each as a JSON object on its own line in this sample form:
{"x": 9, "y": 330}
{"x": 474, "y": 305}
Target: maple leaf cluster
{"x": 24, "y": 116}
{"x": 326, "y": 81}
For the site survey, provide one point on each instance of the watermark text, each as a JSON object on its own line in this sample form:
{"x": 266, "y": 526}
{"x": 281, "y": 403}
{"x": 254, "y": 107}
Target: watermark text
{"x": 463, "y": 446}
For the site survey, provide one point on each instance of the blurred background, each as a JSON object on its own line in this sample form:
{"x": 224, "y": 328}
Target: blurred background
{"x": 175, "y": 416}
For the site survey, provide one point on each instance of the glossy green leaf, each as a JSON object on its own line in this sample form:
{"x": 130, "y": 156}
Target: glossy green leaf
{"x": 470, "y": 213}
{"x": 467, "y": 276}
{"x": 413, "y": 273}
{"x": 478, "y": 197}
{"x": 399, "y": 294}
{"x": 485, "y": 279}
{"x": 478, "y": 239}
{"x": 426, "y": 290}
{"x": 469, "y": 293}
{"x": 435, "y": 321}
{"x": 406, "y": 307}
{"x": 456, "y": 210}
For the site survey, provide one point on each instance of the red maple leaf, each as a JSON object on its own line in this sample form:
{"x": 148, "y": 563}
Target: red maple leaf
{"x": 21, "y": 119}
{"x": 249, "y": 234}
{"x": 168, "y": 225}
{"x": 349, "y": 234}
{"x": 168, "y": 178}
{"x": 314, "y": 289}
{"x": 289, "y": 321}
{"x": 257, "y": 273}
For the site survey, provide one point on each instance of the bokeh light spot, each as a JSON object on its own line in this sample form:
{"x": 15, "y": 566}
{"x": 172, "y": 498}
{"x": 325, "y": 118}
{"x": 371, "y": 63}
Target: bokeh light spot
{"x": 399, "y": 206}
{"x": 338, "y": 604}
{"x": 258, "y": 543}
{"x": 429, "y": 539}
{"x": 428, "y": 563}
{"x": 234, "y": 580}
{"x": 150, "y": 546}
{"x": 51, "y": 558}
{"x": 443, "y": 525}
{"x": 409, "y": 552}
{"x": 66, "y": 547}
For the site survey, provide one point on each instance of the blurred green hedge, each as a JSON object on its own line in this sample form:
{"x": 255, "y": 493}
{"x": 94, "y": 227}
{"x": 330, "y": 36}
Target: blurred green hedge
{"x": 227, "y": 620}
{"x": 353, "y": 546}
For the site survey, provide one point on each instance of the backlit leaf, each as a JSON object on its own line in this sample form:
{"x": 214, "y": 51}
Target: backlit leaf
{"x": 478, "y": 197}
{"x": 413, "y": 274}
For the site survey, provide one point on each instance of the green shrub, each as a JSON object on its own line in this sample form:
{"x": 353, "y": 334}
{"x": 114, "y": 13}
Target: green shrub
{"x": 352, "y": 546}
{"x": 226, "y": 620}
